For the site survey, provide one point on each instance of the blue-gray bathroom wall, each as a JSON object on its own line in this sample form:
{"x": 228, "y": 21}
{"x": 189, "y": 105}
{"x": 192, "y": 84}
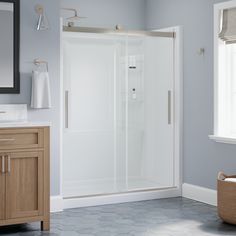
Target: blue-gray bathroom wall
{"x": 203, "y": 158}
{"x": 108, "y": 13}
{"x": 46, "y": 45}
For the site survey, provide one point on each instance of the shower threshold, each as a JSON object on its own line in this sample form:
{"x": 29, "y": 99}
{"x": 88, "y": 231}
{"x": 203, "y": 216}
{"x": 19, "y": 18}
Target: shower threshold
{"x": 94, "y": 193}
{"x": 70, "y": 202}
{"x": 110, "y": 186}
{"x": 122, "y": 192}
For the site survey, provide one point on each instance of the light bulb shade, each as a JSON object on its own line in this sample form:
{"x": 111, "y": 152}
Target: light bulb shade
{"x": 43, "y": 23}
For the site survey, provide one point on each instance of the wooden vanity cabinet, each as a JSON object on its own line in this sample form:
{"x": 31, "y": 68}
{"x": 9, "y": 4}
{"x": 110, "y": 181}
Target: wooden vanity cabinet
{"x": 24, "y": 176}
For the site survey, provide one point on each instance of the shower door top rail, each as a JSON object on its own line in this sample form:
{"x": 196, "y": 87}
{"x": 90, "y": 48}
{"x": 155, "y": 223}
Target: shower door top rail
{"x": 119, "y": 31}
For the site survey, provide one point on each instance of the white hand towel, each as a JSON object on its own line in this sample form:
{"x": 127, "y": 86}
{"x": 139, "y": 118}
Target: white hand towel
{"x": 41, "y": 96}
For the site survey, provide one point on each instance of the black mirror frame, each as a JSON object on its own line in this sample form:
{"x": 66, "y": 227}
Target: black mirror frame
{"x": 16, "y": 87}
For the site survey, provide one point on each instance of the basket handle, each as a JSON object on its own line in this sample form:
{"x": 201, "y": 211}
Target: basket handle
{"x": 222, "y": 176}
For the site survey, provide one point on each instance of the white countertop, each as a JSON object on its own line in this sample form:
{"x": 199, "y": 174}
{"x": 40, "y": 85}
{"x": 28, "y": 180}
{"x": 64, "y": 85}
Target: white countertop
{"x": 24, "y": 124}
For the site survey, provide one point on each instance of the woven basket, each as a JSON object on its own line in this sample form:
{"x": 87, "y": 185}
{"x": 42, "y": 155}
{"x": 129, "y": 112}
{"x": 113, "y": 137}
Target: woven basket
{"x": 226, "y": 198}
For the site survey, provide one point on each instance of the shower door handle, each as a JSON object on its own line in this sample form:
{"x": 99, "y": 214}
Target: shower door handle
{"x": 66, "y": 109}
{"x": 169, "y": 107}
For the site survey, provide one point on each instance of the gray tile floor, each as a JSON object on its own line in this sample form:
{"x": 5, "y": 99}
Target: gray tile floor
{"x": 166, "y": 217}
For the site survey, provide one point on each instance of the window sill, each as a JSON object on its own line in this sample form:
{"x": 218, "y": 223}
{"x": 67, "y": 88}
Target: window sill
{"x": 220, "y": 139}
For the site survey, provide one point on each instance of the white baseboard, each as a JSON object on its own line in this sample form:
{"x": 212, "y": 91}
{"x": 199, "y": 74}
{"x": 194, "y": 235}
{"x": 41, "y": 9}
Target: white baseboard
{"x": 200, "y": 194}
{"x": 120, "y": 198}
{"x": 193, "y": 192}
{"x": 56, "y": 204}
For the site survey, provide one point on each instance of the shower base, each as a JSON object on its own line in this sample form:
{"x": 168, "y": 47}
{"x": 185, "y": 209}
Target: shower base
{"x": 121, "y": 197}
{"x": 108, "y": 186}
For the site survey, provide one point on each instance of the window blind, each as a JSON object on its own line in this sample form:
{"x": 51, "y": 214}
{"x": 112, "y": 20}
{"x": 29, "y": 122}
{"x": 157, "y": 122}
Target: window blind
{"x": 228, "y": 26}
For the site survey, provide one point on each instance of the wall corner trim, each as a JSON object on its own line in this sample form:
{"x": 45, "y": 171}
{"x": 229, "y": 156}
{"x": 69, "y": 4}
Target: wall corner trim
{"x": 199, "y": 194}
{"x": 56, "y": 203}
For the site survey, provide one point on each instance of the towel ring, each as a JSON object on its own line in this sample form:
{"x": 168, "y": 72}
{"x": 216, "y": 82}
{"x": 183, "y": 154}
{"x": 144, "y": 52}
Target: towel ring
{"x": 39, "y": 62}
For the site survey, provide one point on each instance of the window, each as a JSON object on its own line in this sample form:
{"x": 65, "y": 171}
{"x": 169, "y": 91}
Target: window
{"x": 225, "y": 72}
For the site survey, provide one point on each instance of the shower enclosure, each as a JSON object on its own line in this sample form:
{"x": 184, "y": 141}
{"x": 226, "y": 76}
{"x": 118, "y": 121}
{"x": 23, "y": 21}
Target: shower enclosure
{"x": 119, "y": 116}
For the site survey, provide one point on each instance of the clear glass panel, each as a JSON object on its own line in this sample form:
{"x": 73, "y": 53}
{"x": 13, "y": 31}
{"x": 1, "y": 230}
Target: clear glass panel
{"x": 118, "y": 136}
{"x": 150, "y": 136}
{"x": 120, "y": 113}
{"x": 89, "y": 142}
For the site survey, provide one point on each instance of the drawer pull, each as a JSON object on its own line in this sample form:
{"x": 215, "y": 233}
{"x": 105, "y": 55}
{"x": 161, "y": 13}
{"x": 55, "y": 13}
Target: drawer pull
{"x": 8, "y": 164}
{"x": 7, "y": 140}
{"x": 3, "y": 164}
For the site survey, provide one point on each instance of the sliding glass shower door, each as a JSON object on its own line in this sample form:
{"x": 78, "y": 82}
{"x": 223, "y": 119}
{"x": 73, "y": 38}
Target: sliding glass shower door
{"x": 118, "y": 113}
{"x": 150, "y": 126}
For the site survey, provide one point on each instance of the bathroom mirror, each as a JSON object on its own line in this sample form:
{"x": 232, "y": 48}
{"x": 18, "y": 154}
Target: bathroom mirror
{"x": 9, "y": 46}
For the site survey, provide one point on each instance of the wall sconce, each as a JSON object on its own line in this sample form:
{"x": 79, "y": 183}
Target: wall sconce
{"x": 42, "y": 23}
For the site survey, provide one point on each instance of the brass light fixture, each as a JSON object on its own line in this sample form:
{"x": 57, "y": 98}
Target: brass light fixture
{"x": 42, "y": 23}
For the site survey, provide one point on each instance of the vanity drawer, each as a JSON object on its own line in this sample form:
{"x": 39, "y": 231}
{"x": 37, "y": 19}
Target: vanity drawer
{"x": 21, "y": 138}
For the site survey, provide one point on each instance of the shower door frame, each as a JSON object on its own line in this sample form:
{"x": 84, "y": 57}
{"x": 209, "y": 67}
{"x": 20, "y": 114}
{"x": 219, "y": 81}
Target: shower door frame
{"x": 136, "y": 195}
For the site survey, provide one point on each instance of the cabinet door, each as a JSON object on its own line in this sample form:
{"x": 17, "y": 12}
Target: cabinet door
{"x": 24, "y": 185}
{"x": 2, "y": 188}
